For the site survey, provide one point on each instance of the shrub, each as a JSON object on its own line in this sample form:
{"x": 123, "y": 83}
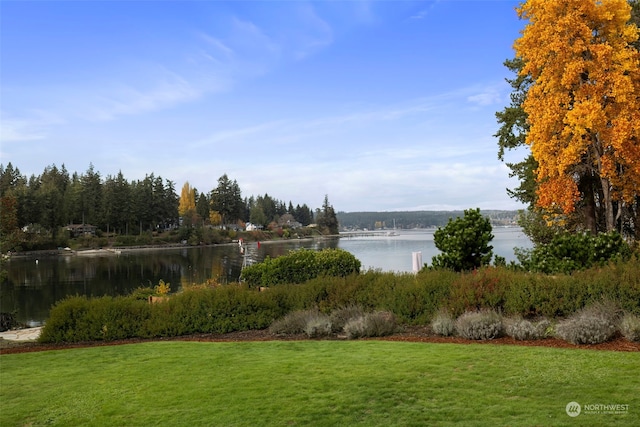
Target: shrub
{"x": 300, "y": 266}
{"x": 162, "y": 288}
{"x": 522, "y": 329}
{"x": 77, "y": 318}
{"x": 337, "y": 263}
{"x": 142, "y": 293}
{"x": 479, "y": 289}
{"x": 414, "y": 299}
{"x": 479, "y": 325}
{"x": 568, "y": 252}
{"x": 630, "y": 327}
{"x": 443, "y": 323}
{"x": 594, "y": 324}
{"x": 293, "y": 323}
{"x": 318, "y": 325}
{"x": 464, "y": 242}
{"x": 376, "y": 324}
{"x": 340, "y": 316}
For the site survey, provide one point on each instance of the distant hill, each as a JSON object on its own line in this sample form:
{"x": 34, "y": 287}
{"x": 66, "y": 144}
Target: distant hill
{"x": 415, "y": 219}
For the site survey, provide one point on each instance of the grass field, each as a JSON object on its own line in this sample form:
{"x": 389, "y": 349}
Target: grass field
{"x": 325, "y": 383}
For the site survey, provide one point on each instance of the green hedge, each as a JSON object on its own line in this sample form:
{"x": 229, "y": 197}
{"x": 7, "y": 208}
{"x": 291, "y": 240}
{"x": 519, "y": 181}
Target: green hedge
{"x": 412, "y": 298}
{"x": 300, "y": 266}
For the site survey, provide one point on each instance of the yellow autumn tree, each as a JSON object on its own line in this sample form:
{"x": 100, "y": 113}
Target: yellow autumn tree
{"x": 215, "y": 218}
{"x": 187, "y": 204}
{"x": 583, "y": 107}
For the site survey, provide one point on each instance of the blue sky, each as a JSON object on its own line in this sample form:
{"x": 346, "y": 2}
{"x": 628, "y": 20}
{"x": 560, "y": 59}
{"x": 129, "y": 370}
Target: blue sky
{"x": 381, "y": 105}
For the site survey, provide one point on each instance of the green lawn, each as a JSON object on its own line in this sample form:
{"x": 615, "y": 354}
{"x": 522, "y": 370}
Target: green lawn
{"x": 327, "y": 383}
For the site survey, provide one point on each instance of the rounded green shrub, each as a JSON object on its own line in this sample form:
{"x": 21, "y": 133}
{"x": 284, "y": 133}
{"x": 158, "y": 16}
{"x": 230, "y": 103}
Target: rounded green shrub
{"x": 300, "y": 266}
{"x": 464, "y": 242}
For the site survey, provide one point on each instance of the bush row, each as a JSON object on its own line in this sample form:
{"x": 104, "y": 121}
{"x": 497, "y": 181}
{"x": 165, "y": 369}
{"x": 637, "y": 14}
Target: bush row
{"x": 353, "y": 321}
{"x": 594, "y": 324}
{"x": 412, "y": 298}
{"x": 196, "y": 310}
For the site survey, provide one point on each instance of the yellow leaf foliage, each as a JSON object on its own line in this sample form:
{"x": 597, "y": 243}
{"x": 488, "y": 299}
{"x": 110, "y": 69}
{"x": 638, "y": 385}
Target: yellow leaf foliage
{"x": 583, "y": 108}
{"x": 187, "y": 199}
{"x": 215, "y": 218}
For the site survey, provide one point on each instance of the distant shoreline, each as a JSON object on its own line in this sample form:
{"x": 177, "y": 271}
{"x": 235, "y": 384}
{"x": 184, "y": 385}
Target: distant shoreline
{"x": 117, "y": 250}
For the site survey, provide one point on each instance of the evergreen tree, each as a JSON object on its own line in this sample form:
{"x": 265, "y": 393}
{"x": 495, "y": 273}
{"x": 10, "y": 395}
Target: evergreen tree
{"x": 464, "y": 242}
{"x": 326, "y": 218}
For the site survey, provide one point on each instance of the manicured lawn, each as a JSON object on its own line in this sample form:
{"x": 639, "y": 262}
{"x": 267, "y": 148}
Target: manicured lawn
{"x": 327, "y": 383}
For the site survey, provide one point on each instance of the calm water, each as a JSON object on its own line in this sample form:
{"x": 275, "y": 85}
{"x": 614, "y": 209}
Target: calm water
{"x": 33, "y": 287}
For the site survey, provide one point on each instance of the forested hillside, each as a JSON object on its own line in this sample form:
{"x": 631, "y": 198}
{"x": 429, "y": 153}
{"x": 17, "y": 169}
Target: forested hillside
{"x": 39, "y": 211}
{"x": 415, "y": 219}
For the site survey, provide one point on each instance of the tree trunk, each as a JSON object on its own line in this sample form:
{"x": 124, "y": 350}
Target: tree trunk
{"x": 608, "y": 205}
{"x": 606, "y": 202}
{"x": 589, "y": 211}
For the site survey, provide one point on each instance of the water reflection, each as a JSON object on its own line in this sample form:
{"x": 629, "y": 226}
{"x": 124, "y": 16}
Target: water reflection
{"x": 33, "y": 287}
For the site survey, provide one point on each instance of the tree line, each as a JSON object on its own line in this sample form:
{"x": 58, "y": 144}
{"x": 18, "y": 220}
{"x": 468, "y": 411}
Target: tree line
{"x": 44, "y": 204}
{"x": 415, "y": 219}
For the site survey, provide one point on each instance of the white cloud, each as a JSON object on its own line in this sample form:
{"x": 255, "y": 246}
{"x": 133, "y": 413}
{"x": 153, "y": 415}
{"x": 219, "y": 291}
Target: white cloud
{"x": 423, "y": 13}
{"x": 217, "y": 44}
{"x": 489, "y": 95}
{"x": 32, "y": 126}
{"x": 310, "y": 34}
{"x": 14, "y": 130}
{"x": 125, "y": 99}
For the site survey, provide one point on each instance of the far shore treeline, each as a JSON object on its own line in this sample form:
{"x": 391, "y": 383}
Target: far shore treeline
{"x": 417, "y": 219}
{"x": 36, "y": 211}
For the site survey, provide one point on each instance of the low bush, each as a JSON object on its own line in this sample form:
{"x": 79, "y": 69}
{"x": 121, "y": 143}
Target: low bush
{"x": 479, "y": 325}
{"x": 77, "y": 318}
{"x": 293, "y": 323}
{"x": 630, "y": 327}
{"x": 142, "y": 293}
{"x": 318, "y": 326}
{"x": 523, "y": 329}
{"x": 443, "y": 323}
{"x": 594, "y": 324}
{"x": 376, "y": 324}
{"x": 340, "y": 316}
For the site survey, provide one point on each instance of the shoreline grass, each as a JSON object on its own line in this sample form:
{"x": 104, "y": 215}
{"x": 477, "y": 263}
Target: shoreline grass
{"x": 325, "y": 383}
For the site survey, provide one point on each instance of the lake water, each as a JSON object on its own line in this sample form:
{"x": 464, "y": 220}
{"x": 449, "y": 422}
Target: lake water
{"x": 33, "y": 287}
